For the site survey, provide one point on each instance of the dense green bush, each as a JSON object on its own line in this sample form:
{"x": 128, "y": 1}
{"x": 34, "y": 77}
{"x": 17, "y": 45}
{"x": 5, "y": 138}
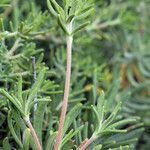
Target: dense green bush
{"x": 108, "y": 103}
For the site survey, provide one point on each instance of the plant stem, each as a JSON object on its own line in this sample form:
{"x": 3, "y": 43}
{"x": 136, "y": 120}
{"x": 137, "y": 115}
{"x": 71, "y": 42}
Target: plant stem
{"x": 66, "y": 93}
{"x": 82, "y": 143}
{"x": 35, "y": 138}
{"x": 87, "y": 143}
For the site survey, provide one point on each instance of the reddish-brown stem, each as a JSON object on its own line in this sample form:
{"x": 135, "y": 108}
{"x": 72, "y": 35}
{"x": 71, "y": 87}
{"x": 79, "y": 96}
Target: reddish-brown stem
{"x": 66, "y": 94}
{"x": 87, "y": 143}
{"x": 82, "y": 143}
{"x": 35, "y": 138}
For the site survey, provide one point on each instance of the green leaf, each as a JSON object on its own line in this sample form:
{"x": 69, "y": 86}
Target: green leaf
{"x": 53, "y": 12}
{"x": 50, "y": 141}
{"x": 98, "y": 121}
{"x": 141, "y": 86}
{"x": 143, "y": 70}
{"x": 110, "y": 131}
{"x": 71, "y": 134}
{"x": 85, "y": 131}
{"x": 100, "y": 103}
{"x": 58, "y": 8}
{"x": 98, "y": 147}
{"x": 22, "y": 126}
{"x": 95, "y": 84}
{"x": 6, "y": 145}
{"x": 2, "y": 25}
{"x": 19, "y": 121}
{"x": 20, "y": 89}
{"x": 40, "y": 59}
{"x": 69, "y": 19}
{"x": 61, "y": 24}
{"x": 85, "y": 14}
{"x": 35, "y": 88}
{"x": 26, "y": 139}
{"x": 130, "y": 76}
{"x": 70, "y": 117}
{"x": 67, "y": 137}
{"x": 80, "y": 27}
{"x": 85, "y": 9}
{"x": 39, "y": 115}
{"x": 9, "y": 120}
{"x": 111, "y": 94}
{"x": 111, "y": 118}
{"x": 126, "y": 142}
{"x": 127, "y": 136}
{"x": 38, "y": 100}
{"x": 5, "y": 5}
{"x": 15, "y": 101}
{"x": 122, "y": 122}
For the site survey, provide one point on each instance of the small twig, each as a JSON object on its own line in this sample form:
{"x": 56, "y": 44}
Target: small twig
{"x": 35, "y": 138}
{"x": 85, "y": 144}
{"x": 82, "y": 143}
{"x": 14, "y": 57}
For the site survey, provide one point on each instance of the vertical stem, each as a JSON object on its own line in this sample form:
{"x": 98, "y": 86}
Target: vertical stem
{"x": 35, "y": 138}
{"x": 66, "y": 93}
{"x": 82, "y": 143}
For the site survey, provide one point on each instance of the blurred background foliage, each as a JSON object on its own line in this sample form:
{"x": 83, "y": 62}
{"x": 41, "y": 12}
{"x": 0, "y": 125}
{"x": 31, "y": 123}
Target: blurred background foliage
{"x": 111, "y": 55}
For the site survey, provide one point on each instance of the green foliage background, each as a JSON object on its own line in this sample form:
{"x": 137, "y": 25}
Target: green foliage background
{"x": 110, "y": 55}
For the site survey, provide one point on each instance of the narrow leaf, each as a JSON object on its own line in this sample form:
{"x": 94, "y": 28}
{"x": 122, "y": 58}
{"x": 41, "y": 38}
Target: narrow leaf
{"x": 70, "y": 18}
{"x": 39, "y": 115}
{"x": 70, "y": 117}
{"x": 20, "y": 89}
{"x": 26, "y": 139}
{"x": 15, "y": 102}
{"x": 85, "y": 14}
{"x": 111, "y": 118}
{"x": 50, "y": 142}
{"x": 68, "y": 137}
{"x": 9, "y": 120}
{"x": 52, "y": 11}
{"x": 63, "y": 27}
{"x": 58, "y": 8}
{"x": 80, "y": 27}
{"x": 35, "y": 88}
{"x": 6, "y": 145}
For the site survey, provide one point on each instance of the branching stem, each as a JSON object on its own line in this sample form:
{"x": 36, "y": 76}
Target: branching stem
{"x": 66, "y": 94}
{"x": 35, "y": 138}
{"x": 83, "y": 146}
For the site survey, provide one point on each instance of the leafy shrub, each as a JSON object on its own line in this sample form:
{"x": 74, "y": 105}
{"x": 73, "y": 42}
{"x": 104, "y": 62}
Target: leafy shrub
{"x": 106, "y": 89}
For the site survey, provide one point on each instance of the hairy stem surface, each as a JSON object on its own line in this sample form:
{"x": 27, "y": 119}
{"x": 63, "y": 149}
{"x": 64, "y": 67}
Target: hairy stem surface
{"x": 83, "y": 146}
{"x": 66, "y": 93}
{"x": 35, "y": 138}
